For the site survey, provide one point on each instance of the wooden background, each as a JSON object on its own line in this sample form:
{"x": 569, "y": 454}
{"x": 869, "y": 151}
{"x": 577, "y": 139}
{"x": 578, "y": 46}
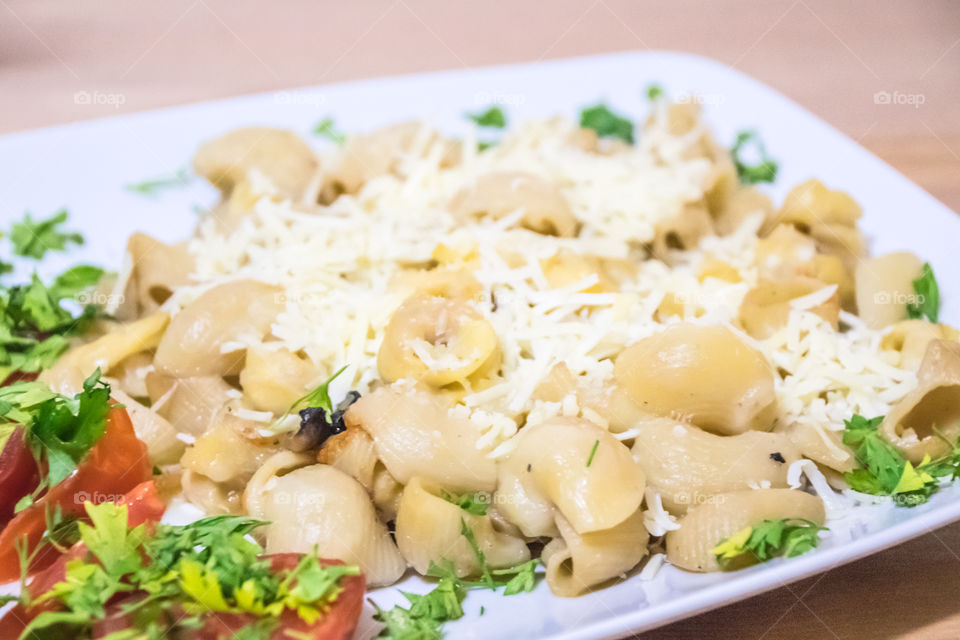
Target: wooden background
{"x": 831, "y": 57}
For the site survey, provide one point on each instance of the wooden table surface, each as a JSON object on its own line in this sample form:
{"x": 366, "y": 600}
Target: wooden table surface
{"x": 831, "y": 57}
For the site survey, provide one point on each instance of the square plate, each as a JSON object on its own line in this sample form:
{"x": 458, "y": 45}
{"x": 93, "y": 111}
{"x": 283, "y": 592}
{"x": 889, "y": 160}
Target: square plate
{"x": 85, "y": 167}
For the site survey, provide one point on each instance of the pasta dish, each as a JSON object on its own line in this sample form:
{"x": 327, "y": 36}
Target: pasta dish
{"x": 564, "y": 352}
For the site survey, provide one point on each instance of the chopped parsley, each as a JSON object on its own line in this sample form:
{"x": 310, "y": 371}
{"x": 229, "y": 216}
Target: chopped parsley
{"x": 606, "y": 123}
{"x": 473, "y": 503}
{"x": 771, "y": 538}
{"x": 33, "y": 238}
{"x": 210, "y": 566}
{"x": 155, "y": 186}
{"x": 654, "y": 92}
{"x": 326, "y": 128}
{"x": 593, "y": 452}
{"x": 928, "y": 296}
{"x": 492, "y": 117}
{"x": 34, "y": 326}
{"x": 424, "y": 618}
{"x": 885, "y": 472}
{"x": 764, "y": 171}
{"x": 60, "y": 431}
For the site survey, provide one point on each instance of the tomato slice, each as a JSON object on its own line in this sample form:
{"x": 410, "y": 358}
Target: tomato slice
{"x": 143, "y": 505}
{"x": 115, "y": 465}
{"x": 19, "y": 474}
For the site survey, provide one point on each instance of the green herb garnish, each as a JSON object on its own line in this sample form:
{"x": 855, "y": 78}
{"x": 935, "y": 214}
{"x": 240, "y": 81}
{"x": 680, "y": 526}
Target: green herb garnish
{"x": 764, "y": 171}
{"x": 33, "y": 238}
{"x": 492, "y": 117}
{"x": 593, "y": 452}
{"x": 155, "y": 186}
{"x": 654, "y": 92}
{"x": 928, "y": 296}
{"x": 606, "y": 123}
{"x": 60, "y": 431}
{"x": 475, "y": 503}
{"x": 883, "y": 470}
{"x": 326, "y": 128}
{"x": 34, "y": 326}
{"x": 771, "y": 538}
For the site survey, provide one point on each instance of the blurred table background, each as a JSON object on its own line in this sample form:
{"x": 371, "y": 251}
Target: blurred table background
{"x": 831, "y": 57}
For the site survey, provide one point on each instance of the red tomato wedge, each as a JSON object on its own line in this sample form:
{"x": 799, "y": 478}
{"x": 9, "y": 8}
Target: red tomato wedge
{"x": 19, "y": 474}
{"x": 115, "y": 465}
{"x": 143, "y": 505}
{"x": 338, "y": 623}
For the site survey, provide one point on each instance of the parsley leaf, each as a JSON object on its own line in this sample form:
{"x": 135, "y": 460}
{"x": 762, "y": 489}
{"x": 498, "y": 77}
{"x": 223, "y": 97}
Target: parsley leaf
{"x": 654, "y": 92}
{"x": 928, "y": 296}
{"x": 492, "y": 117}
{"x": 319, "y": 398}
{"x": 884, "y": 471}
{"x": 154, "y": 186}
{"x": 33, "y": 238}
{"x": 606, "y": 123}
{"x": 788, "y": 538}
{"x": 474, "y": 503}
{"x": 764, "y": 171}
{"x": 63, "y": 430}
{"x": 33, "y": 323}
{"x": 326, "y": 128}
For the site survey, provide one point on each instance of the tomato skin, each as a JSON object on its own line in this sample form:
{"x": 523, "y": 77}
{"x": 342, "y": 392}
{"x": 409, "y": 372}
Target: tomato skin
{"x": 115, "y": 465}
{"x": 143, "y": 506}
{"x": 19, "y": 474}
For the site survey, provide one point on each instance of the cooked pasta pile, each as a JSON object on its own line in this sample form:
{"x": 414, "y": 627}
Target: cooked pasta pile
{"x": 560, "y": 339}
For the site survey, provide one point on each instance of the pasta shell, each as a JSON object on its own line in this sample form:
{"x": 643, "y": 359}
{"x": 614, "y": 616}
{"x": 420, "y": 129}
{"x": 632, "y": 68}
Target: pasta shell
{"x": 705, "y": 526}
{"x": 156, "y": 269}
{"x": 429, "y": 531}
{"x": 577, "y": 562}
{"x": 934, "y": 404}
{"x": 106, "y": 352}
{"x": 415, "y": 435}
{"x": 910, "y": 338}
{"x": 323, "y": 509}
{"x": 766, "y": 308}
{"x": 280, "y": 155}
{"x": 274, "y": 378}
{"x": 704, "y": 375}
{"x": 189, "y": 404}
{"x": 497, "y": 195}
{"x": 574, "y": 465}
{"x": 198, "y": 340}
{"x": 381, "y": 152}
{"x": 438, "y": 341}
{"x": 687, "y": 466}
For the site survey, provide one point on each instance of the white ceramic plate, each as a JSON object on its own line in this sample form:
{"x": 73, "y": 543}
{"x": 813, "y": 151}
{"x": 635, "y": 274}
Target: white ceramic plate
{"x": 84, "y": 167}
